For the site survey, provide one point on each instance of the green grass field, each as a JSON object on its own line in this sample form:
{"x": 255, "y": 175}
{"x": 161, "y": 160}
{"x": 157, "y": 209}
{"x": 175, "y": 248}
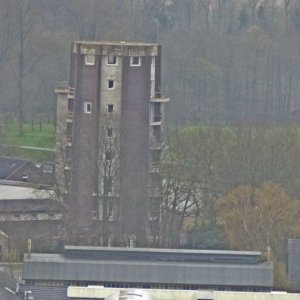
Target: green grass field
{"x": 36, "y": 135}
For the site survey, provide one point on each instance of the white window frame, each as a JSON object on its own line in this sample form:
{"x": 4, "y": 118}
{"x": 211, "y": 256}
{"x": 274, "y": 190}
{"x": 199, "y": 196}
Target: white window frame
{"x": 89, "y": 59}
{"x": 132, "y": 64}
{"x": 112, "y": 64}
{"x": 87, "y": 105}
{"x": 114, "y": 84}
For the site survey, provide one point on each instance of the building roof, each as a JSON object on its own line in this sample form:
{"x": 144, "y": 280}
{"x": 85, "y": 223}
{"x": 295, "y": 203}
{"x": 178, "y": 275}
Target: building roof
{"x": 61, "y": 267}
{"x": 119, "y": 48}
{"x": 21, "y": 192}
{"x": 22, "y": 198}
{"x": 8, "y": 287}
{"x": 10, "y": 165}
{"x": 294, "y": 262}
{"x": 45, "y": 293}
{"x": 156, "y": 254}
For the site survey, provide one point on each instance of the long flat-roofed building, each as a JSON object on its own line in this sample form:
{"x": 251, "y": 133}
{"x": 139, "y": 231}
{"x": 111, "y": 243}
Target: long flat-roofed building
{"x": 114, "y": 109}
{"x": 150, "y": 268}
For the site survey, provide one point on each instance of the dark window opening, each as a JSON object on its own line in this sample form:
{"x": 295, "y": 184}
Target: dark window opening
{"x": 111, "y": 60}
{"x": 69, "y": 130}
{"x": 157, "y": 112}
{"x": 87, "y": 107}
{"x": 110, "y": 108}
{"x": 111, "y": 84}
{"x": 109, "y": 132}
{"x": 135, "y": 61}
{"x": 108, "y": 155}
{"x": 157, "y": 132}
{"x": 155, "y": 156}
{"x": 25, "y": 177}
{"x": 107, "y": 185}
{"x": 70, "y": 104}
{"x": 48, "y": 168}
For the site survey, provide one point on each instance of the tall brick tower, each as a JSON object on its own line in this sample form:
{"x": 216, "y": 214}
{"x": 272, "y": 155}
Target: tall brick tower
{"x": 114, "y": 140}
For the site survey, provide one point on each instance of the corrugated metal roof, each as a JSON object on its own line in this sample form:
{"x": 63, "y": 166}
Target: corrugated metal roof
{"x": 145, "y": 254}
{"x": 45, "y": 293}
{"x": 57, "y": 267}
{"x": 294, "y": 262}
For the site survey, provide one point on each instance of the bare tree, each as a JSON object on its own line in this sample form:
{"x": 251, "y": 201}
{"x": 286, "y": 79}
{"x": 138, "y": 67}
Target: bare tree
{"x": 108, "y": 170}
{"x": 6, "y": 33}
{"x": 27, "y": 32}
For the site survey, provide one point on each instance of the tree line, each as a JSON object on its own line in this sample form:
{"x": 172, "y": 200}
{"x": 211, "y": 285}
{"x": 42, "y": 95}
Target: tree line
{"x": 223, "y": 60}
{"x": 232, "y": 188}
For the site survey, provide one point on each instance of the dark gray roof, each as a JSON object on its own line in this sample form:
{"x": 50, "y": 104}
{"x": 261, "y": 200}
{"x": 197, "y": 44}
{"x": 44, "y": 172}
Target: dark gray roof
{"x": 9, "y": 165}
{"x": 155, "y": 254}
{"x": 294, "y": 262}
{"x": 44, "y": 292}
{"x": 57, "y": 267}
{"x": 8, "y": 287}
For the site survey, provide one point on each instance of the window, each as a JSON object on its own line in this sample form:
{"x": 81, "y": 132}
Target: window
{"x": 48, "y": 168}
{"x": 135, "y": 61}
{"x": 94, "y": 214}
{"x": 110, "y": 108}
{"x": 87, "y": 107}
{"x": 108, "y": 155}
{"x": 109, "y": 132}
{"x": 17, "y": 216}
{"x": 112, "y": 60}
{"x": 89, "y": 59}
{"x": 110, "y": 84}
{"x": 25, "y": 177}
{"x": 108, "y": 184}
